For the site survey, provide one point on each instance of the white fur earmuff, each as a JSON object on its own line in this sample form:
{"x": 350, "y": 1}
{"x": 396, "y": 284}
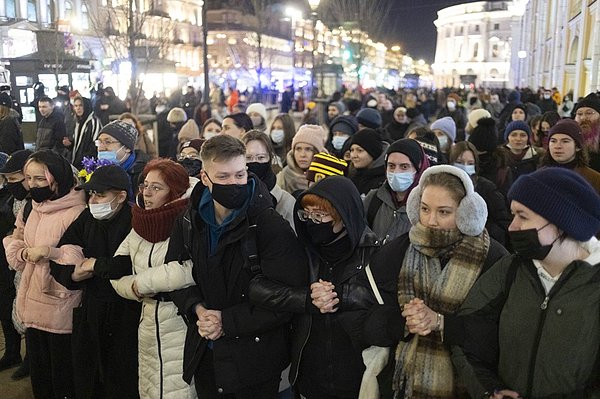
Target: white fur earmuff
{"x": 472, "y": 212}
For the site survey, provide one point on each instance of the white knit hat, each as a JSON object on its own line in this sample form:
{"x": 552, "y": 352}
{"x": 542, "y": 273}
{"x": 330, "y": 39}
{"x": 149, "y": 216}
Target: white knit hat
{"x": 258, "y": 108}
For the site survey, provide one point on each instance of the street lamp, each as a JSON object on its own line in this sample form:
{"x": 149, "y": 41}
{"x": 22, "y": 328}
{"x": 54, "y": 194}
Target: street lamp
{"x": 314, "y": 4}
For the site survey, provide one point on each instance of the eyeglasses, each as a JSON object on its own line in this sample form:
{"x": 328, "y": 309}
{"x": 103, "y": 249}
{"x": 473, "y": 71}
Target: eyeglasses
{"x": 105, "y": 142}
{"x": 316, "y": 217}
{"x": 260, "y": 158}
{"x": 142, "y": 187}
{"x": 181, "y": 157}
{"x": 587, "y": 114}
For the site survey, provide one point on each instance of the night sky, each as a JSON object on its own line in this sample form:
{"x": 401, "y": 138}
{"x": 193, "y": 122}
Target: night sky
{"x": 411, "y": 26}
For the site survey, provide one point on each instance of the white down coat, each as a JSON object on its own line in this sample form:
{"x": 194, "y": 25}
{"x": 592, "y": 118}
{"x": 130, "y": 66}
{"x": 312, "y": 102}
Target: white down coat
{"x": 161, "y": 332}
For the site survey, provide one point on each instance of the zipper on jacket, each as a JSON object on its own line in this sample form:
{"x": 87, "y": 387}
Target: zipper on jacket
{"x": 159, "y": 349}
{"x": 543, "y": 307}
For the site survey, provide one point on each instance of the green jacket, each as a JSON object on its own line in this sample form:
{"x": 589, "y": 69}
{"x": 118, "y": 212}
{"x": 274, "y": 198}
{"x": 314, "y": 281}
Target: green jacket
{"x": 544, "y": 346}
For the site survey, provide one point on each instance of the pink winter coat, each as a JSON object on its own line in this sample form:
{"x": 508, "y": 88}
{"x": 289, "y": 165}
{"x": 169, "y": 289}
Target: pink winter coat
{"x": 43, "y": 303}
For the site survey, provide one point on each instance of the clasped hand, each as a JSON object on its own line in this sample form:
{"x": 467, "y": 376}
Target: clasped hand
{"x": 323, "y": 296}
{"x": 34, "y": 254}
{"x": 84, "y": 271}
{"x": 209, "y": 323}
{"x": 420, "y": 319}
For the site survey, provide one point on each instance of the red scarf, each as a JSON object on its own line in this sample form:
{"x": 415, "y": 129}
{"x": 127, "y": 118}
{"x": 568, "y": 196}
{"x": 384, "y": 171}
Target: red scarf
{"x": 155, "y": 225}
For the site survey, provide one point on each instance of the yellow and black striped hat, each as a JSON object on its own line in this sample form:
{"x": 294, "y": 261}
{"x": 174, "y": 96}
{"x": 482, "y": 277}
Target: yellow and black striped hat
{"x": 324, "y": 165}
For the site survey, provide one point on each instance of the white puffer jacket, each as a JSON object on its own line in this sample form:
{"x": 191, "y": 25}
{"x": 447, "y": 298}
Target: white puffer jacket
{"x": 161, "y": 332}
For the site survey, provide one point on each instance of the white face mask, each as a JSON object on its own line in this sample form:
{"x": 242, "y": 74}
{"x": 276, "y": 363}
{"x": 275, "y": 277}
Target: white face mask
{"x": 470, "y": 169}
{"x": 277, "y": 135}
{"x": 102, "y": 211}
{"x": 451, "y": 105}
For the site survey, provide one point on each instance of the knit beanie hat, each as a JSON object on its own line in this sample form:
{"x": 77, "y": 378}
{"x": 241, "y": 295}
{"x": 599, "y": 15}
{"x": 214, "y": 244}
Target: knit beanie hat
{"x": 570, "y": 128}
{"x": 484, "y": 137}
{"x": 474, "y": 117}
{"x": 516, "y": 125}
{"x": 5, "y": 100}
{"x": 563, "y": 198}
{"x": 176, "y": 115}
{"x": 189, "y": 131}
{"x": 430, "y": 150}
{"x": 195, "y": 144}
{"x": 341, "y": 107}
{"x": 310, "y": 134}
{"x": 3, "y": 159}
{"x": 409, "y": 147}
{"x": 446, "y": 125}
{"x": 522, "y": 107}
{"x": 590, "y": 101}
{"x": 324, "y": 165}
{"x": 369, "y": 117}
{"x": 15, "y": 162}
{"x": 258, "y": 108}
{"x": 346, "y": 124}
{"x": 370, "y": 141}
{"x": 514, "y": 96}
{"x": 124, "y": 132}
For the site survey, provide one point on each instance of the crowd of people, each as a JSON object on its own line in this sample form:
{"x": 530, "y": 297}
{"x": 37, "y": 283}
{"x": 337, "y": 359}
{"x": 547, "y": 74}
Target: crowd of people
{"x": 448, "y": 237}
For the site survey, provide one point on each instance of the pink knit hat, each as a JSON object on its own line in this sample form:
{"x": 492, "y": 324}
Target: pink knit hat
{"x": 311, "y": 134}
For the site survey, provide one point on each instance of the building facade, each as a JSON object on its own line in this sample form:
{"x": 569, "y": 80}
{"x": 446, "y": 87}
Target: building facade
{"x": 474, "y": 44}
{"x": 560, "y": 46}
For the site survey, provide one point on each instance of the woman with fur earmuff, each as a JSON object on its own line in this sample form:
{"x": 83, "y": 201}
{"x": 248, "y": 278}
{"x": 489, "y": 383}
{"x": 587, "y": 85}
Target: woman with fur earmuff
{"x": 424, "y": 276}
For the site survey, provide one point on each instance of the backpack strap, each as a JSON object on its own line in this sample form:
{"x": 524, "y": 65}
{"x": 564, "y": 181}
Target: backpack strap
{"x": 27, "y": 208}
{"x": 510, "y": 276}
{"x": 372, "y": 210}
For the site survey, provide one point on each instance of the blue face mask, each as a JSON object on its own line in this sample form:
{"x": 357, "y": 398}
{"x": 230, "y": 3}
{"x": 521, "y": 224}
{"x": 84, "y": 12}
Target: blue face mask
{"x": 110, "y": 156}
{"x": 400, "y": 182}
{"x": 470, "y": 169}
{"x": 338, "y": 142}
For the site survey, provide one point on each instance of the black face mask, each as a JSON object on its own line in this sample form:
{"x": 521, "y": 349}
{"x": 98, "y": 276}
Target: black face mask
{"x": 322, "y": 233}
{"x": 17, "y": 190}
{"x": 231, "y": 196}
{"x": 526, "y": 244}
{"x": 192, "y": 166}
{"x": 41, "y": 194}
{"x": 259, "y": 169}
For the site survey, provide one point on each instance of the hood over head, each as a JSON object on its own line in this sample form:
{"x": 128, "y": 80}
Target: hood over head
{"x": 345, "y": 198}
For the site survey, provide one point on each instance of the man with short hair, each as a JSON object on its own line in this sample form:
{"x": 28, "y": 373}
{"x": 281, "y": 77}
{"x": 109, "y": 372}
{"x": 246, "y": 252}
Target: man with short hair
{"x": 232, "y": 233}
{"x": 51, "y": 128}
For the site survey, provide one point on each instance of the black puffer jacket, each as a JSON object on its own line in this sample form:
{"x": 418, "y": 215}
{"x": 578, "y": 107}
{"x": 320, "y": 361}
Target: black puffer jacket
{"x": 326, "y": 348}
{"x": 254, "y": 347}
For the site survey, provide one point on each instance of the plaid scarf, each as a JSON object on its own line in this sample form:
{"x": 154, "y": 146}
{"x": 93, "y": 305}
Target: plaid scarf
{"x": 423, "y": 365}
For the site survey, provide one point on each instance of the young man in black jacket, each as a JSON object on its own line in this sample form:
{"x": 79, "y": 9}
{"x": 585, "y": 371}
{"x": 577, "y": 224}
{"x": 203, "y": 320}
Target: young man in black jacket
{"x": 231, "y": 232}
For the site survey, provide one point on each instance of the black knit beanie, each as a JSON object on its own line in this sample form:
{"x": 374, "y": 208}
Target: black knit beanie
{"x": 408, "y": 147}
{"x": 484, "y": 137}
{"x": 370, "y": 141}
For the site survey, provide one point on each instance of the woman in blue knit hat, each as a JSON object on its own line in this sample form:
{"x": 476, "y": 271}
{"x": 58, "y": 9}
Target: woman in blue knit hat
{"x": 523, "y": 156}
{"x": 532, "y": 320}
